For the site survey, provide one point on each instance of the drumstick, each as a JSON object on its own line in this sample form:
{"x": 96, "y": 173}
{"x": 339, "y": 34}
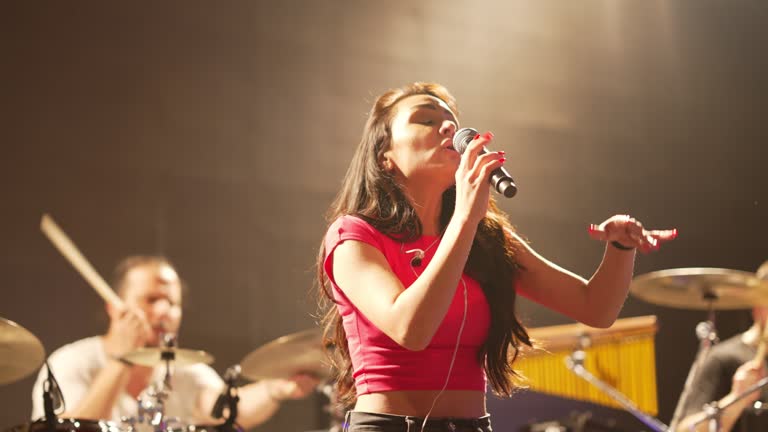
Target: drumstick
{"x": 78, "y": 261}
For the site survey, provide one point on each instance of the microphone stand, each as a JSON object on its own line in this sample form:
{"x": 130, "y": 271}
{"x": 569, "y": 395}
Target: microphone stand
{"x": 228, "y": 399}
{"x": 50, "y": 413}
{"x": 575, "y": 362}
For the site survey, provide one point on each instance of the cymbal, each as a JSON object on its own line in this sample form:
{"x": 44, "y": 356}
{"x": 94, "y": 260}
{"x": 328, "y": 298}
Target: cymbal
{"x": 21, "y": 353}
{"x": 286, "y": 356}
{"x": 154, "y": 356}
{"x": 701, "y": 288}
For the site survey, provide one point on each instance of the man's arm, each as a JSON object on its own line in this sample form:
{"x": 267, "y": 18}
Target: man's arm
{"x": 746, "y": 375}
{"x": 83, "y": 397}
{"x": 259, "y": 401}
{"x": 102, "y": 394}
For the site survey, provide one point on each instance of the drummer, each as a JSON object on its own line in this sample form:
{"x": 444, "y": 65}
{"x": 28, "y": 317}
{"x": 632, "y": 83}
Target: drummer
{"x": 730, "y": 369}
{"x": 97, "y": 385}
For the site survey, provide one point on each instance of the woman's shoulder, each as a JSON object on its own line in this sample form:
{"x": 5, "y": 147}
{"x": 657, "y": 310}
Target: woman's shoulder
{"x": 352, "y": 227}
{"x": 351, "y": 223}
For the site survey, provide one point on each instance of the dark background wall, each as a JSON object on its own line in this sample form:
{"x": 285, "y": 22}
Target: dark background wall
{"x": 218, "y": 134}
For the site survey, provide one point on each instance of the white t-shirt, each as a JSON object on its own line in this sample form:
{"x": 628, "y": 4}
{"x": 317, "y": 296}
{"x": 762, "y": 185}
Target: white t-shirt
{"x": 76, "y": 365}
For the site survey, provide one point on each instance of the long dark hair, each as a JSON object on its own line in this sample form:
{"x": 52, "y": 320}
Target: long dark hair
{"x": 371, "y": 193}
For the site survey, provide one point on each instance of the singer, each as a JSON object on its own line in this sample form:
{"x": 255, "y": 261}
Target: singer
{"x": 419, "y": 272}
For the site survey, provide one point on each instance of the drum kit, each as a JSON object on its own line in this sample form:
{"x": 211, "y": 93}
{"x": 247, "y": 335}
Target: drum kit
{"x": 21, "y": 354}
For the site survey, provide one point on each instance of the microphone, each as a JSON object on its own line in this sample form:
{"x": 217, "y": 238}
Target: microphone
{"x": 500, "y": 178}
{"x": 53, "y": 399}
{"x": 418, "y": 257}
{"x": 228, "y": 398}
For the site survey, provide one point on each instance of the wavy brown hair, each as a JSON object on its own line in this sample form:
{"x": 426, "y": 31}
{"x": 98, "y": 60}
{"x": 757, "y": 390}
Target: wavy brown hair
{"x": 371, "y": 193}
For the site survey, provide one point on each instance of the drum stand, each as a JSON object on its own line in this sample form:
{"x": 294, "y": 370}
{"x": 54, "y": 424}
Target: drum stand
{"x": 707, "y": 335}
{"x": 575, "y": 363}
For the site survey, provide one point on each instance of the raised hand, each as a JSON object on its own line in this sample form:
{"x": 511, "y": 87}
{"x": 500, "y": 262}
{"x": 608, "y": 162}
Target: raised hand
{"x": 629, "y": 233}
{"x": 472, "y": 186}
{"x": 131, "y": 329}
{"x": 747, "y": 375}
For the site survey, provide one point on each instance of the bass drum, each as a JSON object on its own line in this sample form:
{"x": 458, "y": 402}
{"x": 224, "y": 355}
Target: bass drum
{"x": 68, "y": 425}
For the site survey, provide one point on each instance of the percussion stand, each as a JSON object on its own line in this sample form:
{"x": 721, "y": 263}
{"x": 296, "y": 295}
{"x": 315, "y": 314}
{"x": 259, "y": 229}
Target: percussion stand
{"x": 707, "y": 335}
{"x": 575, "y": 363}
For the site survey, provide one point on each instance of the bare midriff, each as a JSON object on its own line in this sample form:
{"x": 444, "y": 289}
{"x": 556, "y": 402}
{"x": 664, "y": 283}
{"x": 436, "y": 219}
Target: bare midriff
{"x": 452, "y": 403}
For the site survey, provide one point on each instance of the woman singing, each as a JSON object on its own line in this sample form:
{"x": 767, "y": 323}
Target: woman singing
{"x": 423, "y": 271}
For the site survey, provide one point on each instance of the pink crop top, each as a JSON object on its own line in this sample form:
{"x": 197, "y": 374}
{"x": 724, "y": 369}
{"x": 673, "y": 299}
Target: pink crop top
{"x": 379, "y": 364}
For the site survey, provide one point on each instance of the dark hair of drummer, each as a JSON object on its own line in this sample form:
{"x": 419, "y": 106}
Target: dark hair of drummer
{"x": 129, "y": 263}
{"x": 372, "y": 193}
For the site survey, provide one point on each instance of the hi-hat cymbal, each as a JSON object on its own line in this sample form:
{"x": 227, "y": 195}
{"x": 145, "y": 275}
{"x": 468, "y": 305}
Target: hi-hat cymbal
{"x": 21, "y": 353}
{"x": 701, "y": 288}
{"x": 155, "y": 356}
{"x": 286, "y": 356}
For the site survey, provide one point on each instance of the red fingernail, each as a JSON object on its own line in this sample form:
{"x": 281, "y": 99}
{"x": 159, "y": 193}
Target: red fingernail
{"x": 488, "y": 136}
{"x": 674, "y": 233}
{"x": 502, "y": 160}
{"x": 476, "y": 137}
{"x": 501, "y": 152}
{"x": 592, "y": 228}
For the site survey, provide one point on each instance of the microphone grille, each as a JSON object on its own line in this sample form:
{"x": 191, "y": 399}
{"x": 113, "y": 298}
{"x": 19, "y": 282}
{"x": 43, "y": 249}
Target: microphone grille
{"x": 462, "y": 138}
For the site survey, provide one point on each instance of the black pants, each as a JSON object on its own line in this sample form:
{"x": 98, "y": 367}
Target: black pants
{"x": 356, "y": 421}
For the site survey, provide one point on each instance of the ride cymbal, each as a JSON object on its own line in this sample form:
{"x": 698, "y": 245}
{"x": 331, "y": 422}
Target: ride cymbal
{"x": 701, "y": 288}
{"x": 287, "y": 356}
{"x": 21, "y": 353}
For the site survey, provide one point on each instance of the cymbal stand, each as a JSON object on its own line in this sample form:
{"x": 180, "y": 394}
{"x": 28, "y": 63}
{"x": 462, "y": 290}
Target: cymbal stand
{"x": 575, "y": 363}
{"x": 152, "y": 405}
{"x": 707, "y": 335}
{"x": 714, "y": 409}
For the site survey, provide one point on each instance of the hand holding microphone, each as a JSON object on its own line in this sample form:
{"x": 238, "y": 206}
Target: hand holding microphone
{"x": 500, "y": 179}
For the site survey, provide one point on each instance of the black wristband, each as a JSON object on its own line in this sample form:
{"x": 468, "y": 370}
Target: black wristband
{"x": 120, "y": 359}
{"x": 620, "y": 246}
